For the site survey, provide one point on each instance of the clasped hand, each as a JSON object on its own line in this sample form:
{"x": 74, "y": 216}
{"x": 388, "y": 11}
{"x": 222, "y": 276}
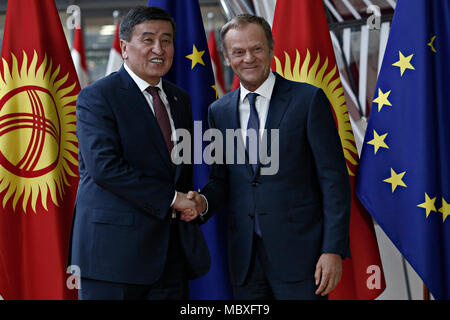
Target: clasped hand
{"x": 190, "y": 205}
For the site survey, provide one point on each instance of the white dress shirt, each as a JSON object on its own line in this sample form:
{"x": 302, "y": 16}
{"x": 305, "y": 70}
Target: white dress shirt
{"x": 142, "y": 84}
{"x": 262, "y": 102}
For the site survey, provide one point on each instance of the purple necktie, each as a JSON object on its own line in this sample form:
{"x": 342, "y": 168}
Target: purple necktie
{"x": 161, "y": 116}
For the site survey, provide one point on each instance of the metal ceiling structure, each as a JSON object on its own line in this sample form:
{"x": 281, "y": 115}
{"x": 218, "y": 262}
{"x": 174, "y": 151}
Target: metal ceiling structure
{"x": 102, "y": 7}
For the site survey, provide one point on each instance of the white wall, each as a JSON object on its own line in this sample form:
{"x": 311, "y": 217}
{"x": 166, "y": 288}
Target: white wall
{"x": 391, "y": 258}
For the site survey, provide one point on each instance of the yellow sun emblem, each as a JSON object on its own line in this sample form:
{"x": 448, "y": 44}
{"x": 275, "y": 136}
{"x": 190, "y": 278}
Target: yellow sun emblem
{"x": 334, "y": 92}
{"x": 37, "y": 132}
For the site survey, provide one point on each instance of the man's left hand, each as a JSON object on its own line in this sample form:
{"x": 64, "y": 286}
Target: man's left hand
{"x": 328, "y": 272}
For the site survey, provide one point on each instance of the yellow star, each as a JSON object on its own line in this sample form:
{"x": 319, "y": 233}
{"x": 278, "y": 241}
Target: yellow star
{"x": 431, "y": 45}
{"x": 196, "y": 57}
{"x": 404, "y": 63}
{"x": 378, "y": 141}
{"x": 396, "y": 180}
{"x": 382, "y": 99}
{"x": 428, "y": 205}
{"x": 445, "y": 209}
{"x": 215, "y": 88}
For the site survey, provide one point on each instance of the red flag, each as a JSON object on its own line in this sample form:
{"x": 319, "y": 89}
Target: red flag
{"x": 38, "y": 152}
{"x": 79, "y": 57}
{"x": 236, "y": 83}
{"x": 303, "y": 52}
{"x": 216, "y": 64}
{"x": 115, "y": 60}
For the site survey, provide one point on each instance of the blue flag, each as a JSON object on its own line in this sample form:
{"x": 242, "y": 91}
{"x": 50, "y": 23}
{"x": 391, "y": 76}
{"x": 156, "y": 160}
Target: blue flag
{"x": 404, "y": 172}
{"x": 192, "y": 71}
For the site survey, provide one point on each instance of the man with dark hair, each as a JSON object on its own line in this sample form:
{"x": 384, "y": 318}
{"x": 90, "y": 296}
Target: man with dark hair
{"x": 140, "y": 15}
{"x": 288, "y": 231}
{"x": 127, "y": 237}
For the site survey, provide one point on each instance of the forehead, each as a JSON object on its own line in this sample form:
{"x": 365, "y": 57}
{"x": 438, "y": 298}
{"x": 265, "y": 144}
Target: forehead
{"x": 246, "y": 35}
{"x": 157, "y": 27}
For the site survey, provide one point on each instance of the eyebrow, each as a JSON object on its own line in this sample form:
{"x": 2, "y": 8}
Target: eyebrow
{"x": 254, "y": 45}
{"x": 146, "y": 33}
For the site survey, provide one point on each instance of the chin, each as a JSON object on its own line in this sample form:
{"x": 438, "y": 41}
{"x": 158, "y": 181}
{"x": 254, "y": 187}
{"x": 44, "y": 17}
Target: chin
{"x": 253, "y": 81}
{"x": 157, "y": 74}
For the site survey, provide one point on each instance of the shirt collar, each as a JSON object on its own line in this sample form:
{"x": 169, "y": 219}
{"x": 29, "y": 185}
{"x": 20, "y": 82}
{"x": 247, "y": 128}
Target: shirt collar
{"x": 265, "y": 89}
{"x": 142, "y": 84}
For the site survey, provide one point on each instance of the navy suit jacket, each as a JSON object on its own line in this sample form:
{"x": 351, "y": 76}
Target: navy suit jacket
{"x": 304, "y": 208}
{"x": 127, "y": 183}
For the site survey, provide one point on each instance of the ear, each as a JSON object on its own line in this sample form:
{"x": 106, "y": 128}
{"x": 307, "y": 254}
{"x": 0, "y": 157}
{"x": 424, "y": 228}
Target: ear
{"x": 271, "y": 51}
{"x": 123, "y": 47}
{"x": 225, "y": 57}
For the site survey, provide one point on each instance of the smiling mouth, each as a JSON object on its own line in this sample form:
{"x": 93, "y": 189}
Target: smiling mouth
{"x": 157, "y": 60}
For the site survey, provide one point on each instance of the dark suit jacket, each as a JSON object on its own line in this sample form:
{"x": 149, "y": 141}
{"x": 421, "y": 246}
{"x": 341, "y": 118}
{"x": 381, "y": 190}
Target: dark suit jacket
{"x": 127, "y": 183}
{"x": 304, "y": 208}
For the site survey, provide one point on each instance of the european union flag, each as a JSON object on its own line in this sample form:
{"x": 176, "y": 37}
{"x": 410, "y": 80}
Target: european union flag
{"x": 192, "y": 71}
{"x": 404, "y": 173}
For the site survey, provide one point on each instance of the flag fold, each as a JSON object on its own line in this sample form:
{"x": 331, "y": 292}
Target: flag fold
{"x": 38, "y": 152}
{"x": 404, "y": 175}
{"x": 304, "y": 53}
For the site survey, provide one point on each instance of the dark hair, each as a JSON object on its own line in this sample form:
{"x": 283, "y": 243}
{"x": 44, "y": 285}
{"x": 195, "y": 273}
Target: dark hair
{"x": 242, "y": 20}
{"x": 142, "y": 14}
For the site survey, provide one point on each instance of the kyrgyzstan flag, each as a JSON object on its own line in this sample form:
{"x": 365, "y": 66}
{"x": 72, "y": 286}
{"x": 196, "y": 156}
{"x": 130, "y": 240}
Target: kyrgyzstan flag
{"x": 304, "y": 52}
{"x": 38, "y": 152}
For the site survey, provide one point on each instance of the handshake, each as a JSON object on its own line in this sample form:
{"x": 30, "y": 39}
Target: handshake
{"x": 190, "y": 205}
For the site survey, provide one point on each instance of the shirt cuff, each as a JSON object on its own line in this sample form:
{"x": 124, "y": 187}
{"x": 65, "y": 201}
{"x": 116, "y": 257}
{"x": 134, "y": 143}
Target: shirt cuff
{"x": 206, "y": 210}
{"x": 174, "y": 198}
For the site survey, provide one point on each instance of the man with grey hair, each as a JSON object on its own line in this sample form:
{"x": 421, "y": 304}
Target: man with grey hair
{"x": 287, "y": 232}
{"x": 127, "y": 238}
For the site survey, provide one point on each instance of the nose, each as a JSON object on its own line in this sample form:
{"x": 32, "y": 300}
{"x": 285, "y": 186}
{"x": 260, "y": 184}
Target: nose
{"x": 157, "y": 48}
{"x": 249, "y": 57}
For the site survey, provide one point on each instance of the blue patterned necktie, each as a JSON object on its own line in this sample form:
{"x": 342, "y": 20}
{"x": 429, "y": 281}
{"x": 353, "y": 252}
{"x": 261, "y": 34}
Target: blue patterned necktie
{"x": 253, "y": 123}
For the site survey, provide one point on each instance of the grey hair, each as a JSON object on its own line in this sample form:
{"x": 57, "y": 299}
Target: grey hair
{"x": 242, "y": 20}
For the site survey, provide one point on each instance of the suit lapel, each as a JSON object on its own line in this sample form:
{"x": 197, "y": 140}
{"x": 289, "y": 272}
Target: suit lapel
{"x": 174, "y": 102}
{"x": 175, "y": 109}
{"x": 136, "y": 99}
{"x": 279, "y": 102}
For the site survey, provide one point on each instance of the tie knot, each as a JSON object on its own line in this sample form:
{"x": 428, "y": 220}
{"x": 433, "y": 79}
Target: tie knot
{"x": 251, "y": 96}
{"x": 152, "y": 90}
